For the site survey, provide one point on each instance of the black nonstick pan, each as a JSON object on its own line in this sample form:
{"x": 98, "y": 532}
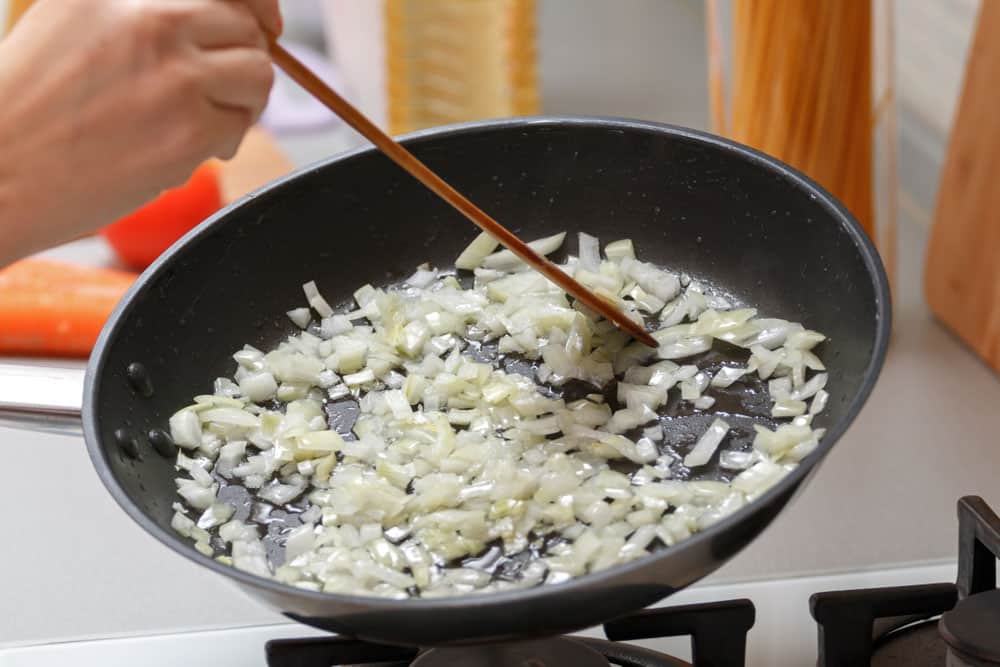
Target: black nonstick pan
{"x": 745, "y": 223}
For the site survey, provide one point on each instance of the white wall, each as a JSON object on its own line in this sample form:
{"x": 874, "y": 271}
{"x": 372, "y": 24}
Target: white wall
{"x": 635, "y": 58}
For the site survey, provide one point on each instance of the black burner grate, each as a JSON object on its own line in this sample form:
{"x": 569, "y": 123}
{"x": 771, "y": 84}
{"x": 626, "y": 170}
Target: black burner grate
{"x": 896, "y": 625}
{"x": 718, "y": 639}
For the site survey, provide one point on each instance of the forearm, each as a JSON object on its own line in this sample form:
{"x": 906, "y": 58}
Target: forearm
{"x": 15, "y": 241}
{"x": 26, "y": 224}
{"x": 43, "y": 198}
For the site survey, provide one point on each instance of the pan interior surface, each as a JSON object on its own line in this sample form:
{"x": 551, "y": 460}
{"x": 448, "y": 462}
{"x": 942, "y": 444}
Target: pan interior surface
{"x": 691, "y": 204}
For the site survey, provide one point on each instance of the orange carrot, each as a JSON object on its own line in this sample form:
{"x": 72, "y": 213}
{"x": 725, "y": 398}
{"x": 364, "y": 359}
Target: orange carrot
{"x": 50, "y": 308}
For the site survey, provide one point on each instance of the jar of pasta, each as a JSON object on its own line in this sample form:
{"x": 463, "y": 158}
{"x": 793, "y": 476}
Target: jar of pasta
{"x": 811, "y": 83}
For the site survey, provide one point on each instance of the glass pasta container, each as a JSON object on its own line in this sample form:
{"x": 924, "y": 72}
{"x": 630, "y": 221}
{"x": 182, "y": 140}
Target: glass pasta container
{"x": 811, "y": 83}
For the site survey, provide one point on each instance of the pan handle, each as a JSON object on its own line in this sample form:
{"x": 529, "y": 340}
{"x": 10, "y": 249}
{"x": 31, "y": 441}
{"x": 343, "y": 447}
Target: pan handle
{"x": 41, "y": 398}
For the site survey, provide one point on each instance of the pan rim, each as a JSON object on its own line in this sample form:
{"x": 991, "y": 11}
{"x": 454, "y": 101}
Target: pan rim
{"x": 99, "y": 359}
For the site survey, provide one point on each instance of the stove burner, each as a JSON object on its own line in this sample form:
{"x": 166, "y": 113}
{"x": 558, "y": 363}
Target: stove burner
{"x": 970, "y": 629}
{"x": 542, "y": 653}
{"x": 718, "y": 639}
{"x": 892, "y": 626}
{"x": 914, "y": 644}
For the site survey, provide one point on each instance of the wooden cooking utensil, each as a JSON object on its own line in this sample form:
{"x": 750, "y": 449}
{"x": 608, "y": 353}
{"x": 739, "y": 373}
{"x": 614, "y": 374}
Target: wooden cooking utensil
{"x": 314, "y": 85}
{"x": 962, "y": 277}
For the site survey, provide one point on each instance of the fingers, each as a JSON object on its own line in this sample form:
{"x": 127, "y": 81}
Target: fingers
{"x": 267, "y": 12}
{"x": 222, "y": 25}
{"x": 229, "y": 23}
{"x": 239, "y": 78}
{"x": 226, "y": 128}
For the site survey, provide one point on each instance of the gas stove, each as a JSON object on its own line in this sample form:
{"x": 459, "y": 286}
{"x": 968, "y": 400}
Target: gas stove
{"x": 899, "y": 621}
{"x": 955, "y": 625}
{"x": 718, "y": 638}
{"x": 923, "y": 625}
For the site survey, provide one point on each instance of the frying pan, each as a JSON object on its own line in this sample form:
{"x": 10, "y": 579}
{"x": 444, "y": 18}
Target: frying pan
{"x": 744, "y": 223}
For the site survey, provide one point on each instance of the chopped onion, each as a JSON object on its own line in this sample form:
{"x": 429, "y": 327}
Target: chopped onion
{"x": 685, "y": 347}
{"x": 505, "y": 259}
{"x": 703, "y": 402}
{"x": 809, "y": 389}
{"x": 185, "y": 429}
{"x": 316, "y": 300}
{"x": 476, "y": 252}
{"x": 216, "y": 515}
{"x": 819, "y": 402}
{"x": 422, "y": 278}
{"x": 788, "y": 408}
{"x": 662, "y": 284}
{"x": 300, "y": 316}
{"x": 259, "y": 387}
{"x": 335, "y": 325}
{"x": 707, "y": 444}
{"x": 780, "y": 388}
{"x": 727, "y": 375}
{"x": 618, "y": 250}
{"x": 735, "y": 460}
{"x": 361, "y": 377}
{"x": 590, "y": 253}
{"x": 408, "y": 436}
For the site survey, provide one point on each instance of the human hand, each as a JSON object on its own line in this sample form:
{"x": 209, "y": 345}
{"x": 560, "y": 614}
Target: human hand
{"x": 106, "y": 104}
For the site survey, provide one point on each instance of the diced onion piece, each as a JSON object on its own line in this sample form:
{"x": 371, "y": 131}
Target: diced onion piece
{"x": 185, "y": 429}
{"x": 662, "y": 284}
{"x": 335, "y": 325}
{"x": 590, "y": 253}
{"x": 476, "y": 252}
{"x": 300, "y": 316}
{"x": 684, "y": 347}
{"x": 645, "y": 450}
{"x": 654, "y": 433}
{"x": 809, "y": 389}
{"x": 735, "y": 460}
{"x": 788, "y": 407}
{"x": 777, "y": 443}
{"x": 321, "y": 441}
{"x": 707, "y": 444}
{"x": 316, "y": 300}
{"x": 216, "y": 515}
{"x": 780, "y": 388}
{"x": 819, "y": 402}
{"x": 196, "y": 495}
{"x": 229, "y": 416}
{"x": 703, "y": 402}
{"x": 804, "y": 340}
{"x": 259, "y": 387}
{"x": 362, "y": 377}
{"x": 299, "y": 541}
{"x": 758, "y": 478}
{"x": 505, "y": 259}
{"x": 422, "y": 278}
{"x": 727, "y": 375}
{"x": 617, "y": 250}
{"x": 692, "y": 388}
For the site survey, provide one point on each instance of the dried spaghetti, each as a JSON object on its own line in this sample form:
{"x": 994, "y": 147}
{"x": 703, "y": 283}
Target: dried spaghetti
{"x": 801, "y": 89}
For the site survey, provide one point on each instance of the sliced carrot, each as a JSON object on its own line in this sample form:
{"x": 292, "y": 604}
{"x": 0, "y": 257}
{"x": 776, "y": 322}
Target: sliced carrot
{"x": 56, "y": 309}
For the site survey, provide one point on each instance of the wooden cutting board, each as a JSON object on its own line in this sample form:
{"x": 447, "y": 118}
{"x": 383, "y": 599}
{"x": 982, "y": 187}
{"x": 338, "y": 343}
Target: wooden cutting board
{"x": 962, "y": 277}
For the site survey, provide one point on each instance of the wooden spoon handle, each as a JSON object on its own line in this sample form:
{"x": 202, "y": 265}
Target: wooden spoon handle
{"x": 314, "y": 85}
